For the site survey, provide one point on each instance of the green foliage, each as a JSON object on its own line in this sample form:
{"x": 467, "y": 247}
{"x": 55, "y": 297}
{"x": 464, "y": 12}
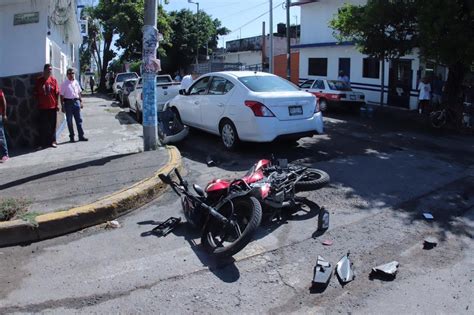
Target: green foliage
{"x": 191, "y": 32}
{"x": 12, "y": 207}
{"x": 442, "y": 30}
{"x": 380, "y": 29}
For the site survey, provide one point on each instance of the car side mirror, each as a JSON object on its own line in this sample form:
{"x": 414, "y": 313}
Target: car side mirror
{"x": 182, "y": 92}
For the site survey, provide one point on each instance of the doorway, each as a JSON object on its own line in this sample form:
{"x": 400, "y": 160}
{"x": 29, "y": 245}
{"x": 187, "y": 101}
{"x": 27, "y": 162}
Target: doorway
{"x": 400, "y": 78}
{"x": 344, "y": 65}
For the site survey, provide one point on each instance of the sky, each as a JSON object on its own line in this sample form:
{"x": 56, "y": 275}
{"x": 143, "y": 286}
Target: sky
{"x": 243, "y": 18}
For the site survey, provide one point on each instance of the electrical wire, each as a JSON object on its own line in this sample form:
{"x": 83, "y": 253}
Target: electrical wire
{"x": 254, "y": 19}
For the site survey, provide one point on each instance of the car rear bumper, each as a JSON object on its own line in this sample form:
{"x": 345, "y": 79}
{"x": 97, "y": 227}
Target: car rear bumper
{"x": 267, "y": 129}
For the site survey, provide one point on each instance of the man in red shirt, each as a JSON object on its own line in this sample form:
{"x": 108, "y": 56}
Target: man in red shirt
{"x": 47, "y": 92}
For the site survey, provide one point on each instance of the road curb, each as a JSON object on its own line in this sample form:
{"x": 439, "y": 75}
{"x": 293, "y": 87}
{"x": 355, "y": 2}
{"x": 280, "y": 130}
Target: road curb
{"x": 107, "y": 208}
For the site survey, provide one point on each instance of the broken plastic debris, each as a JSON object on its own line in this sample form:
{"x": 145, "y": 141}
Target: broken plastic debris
{"x": 428, "y": 216}
{"x": 322, "y": 272}
{"x": 327, "y": 242}
{"x": 114, "y": 224}
{"x": 390, "y": 268}
{"x": 344, "y": 269}
{"x": 430, "y": 242}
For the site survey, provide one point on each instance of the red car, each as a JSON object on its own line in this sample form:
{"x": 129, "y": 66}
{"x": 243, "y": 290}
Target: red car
{"x": 334, "y": 93}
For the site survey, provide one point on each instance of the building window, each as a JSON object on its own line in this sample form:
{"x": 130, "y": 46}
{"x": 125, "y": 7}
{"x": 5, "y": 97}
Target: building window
{"x": 371, "y": 68}
{"x": 318, "y": 66}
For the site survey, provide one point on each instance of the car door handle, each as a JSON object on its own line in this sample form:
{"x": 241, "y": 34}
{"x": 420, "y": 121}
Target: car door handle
{"x": 196, "y": 103}
{"x": 220, "y": 105}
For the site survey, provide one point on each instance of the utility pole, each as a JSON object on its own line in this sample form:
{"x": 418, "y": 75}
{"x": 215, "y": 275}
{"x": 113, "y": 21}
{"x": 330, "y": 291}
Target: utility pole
{"x": 288, "y": 42}
{"x": 270, "y": 57}
{"x": 197, "y": 44}
{"x": 149, "y": 69}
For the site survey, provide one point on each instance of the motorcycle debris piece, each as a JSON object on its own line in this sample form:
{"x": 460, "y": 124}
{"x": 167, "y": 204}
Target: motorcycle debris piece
{"x": 430, "y": 242}
{"x": 211, "y": 161}
{"x": 165, "y": 227}
{"x": 323, "y": 219}
{"x": 344, "y": 270}
{"x": 322, "y": 272}
{"x": 389, "y": 269}
{"x": 327, "y": 242}
{"x": 114, "y": 224}
{"x": 428, "y": 216}
{"x": 176, "y": 137}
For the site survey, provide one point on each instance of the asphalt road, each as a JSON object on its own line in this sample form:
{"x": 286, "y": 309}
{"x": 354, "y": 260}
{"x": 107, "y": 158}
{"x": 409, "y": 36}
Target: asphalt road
{"x": 382, "y": 180}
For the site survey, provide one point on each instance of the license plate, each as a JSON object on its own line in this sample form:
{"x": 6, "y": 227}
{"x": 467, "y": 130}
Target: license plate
{"x": 295, "y": 110}
{"x": 353, "y": 97}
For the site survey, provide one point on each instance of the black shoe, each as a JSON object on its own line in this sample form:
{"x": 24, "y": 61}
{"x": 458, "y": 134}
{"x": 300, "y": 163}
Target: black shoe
{"x": 72, "y": 140}
{"x": 83, "y": 139}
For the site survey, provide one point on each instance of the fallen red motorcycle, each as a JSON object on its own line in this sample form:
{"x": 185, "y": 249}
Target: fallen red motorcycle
{"x": 277, "y": 182}
{"x": 227, "y": 223}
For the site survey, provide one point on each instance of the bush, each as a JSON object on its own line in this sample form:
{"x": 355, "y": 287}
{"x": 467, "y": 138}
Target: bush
{"x": 12, "y": 207}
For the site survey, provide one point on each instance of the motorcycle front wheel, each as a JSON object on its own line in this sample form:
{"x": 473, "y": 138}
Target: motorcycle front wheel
{"x": 245, "y": 214}
{"x": 312, "y": 179}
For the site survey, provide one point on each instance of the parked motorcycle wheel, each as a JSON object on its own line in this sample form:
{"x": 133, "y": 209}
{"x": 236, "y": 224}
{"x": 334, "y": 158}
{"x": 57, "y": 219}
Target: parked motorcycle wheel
{"x": 312, "y": 179}
{"x": 225, "y": 242}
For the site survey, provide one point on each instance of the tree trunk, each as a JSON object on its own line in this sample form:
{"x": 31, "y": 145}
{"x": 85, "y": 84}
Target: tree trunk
{"x": 107, "y": 56}
{"x": 453, "y": 88}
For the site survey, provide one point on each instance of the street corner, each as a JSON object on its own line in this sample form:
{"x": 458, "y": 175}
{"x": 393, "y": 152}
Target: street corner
{"x": 54, "y": 224}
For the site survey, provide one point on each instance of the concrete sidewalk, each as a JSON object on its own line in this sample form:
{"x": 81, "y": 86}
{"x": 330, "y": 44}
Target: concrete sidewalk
{"x": 83, "y": 183}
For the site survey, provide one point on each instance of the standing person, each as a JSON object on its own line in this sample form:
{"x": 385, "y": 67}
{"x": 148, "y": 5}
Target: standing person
{"x": 71, "y": 101}
{"x": 438, "y": 86}
{"x": 424, "y": 96}
{"x": 344, "y": 78}
{"x": 47, "y": 92}
{"x": 177, "y": 77}
{"x": 3, "y": 117}
{"x": 188, "y": 80}
{"x": 92, "y": 83}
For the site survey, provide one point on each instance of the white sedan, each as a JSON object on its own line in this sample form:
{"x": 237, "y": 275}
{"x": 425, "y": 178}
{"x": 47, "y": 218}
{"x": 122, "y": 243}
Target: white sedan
{"x": 248, "y": 106}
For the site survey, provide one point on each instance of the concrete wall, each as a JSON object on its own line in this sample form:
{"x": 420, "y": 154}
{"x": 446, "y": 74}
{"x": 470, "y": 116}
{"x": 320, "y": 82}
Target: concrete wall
{"x": 23, "y": 46}
{"x": 23, "y": 52}
{"x": 315, "y": 19}
{"x": 280, "y": 65}
{"x": 317, "y": 41}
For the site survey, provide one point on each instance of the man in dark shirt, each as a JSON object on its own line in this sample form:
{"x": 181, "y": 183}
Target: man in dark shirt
{"x": 47, "y": 92}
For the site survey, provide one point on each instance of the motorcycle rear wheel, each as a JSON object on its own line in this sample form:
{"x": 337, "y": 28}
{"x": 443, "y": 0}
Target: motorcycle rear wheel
{"x": 221, "y": 242}
{"x": 312, "y": 179}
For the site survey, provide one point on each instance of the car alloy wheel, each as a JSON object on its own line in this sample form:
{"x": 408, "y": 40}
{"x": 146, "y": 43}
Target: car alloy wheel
{"x": 229, "y": 135}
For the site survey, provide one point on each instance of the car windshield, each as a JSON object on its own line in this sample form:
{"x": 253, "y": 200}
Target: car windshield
{"x": 267, "y": 84}
{"x": 338, "y": 85}
{"x": 125, "y": 76}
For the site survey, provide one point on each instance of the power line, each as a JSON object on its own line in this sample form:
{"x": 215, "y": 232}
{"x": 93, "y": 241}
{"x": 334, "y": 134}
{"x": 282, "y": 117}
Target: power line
{"x": 253, "y": 20}
{"x": 256, "y": 6}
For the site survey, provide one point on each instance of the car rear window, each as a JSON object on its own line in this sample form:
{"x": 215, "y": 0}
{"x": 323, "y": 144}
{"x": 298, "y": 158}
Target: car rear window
{"x": 339, "y": 86}
{"x": 125, "y": 76}
{"x": 267, "y": 84}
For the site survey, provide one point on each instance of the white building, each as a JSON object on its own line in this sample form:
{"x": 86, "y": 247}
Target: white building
{"x": 321, "y": 56}
{"x": 33, "y": 33}
{"x": 249, "y": 53}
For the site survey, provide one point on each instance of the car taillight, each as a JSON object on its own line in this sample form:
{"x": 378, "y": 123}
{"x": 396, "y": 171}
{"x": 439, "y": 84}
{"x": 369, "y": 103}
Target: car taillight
{"x": 336, "y": 96}
{"x": 259, "y": 109}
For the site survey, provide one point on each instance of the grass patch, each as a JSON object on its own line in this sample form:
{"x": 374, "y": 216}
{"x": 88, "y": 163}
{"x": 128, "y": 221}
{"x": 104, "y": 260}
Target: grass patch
{"x": 13, "y": 207}
{"x": 30, "y": 217}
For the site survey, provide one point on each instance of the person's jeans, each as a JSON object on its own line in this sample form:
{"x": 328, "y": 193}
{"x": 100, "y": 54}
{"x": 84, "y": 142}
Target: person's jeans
{"x": 3, "y": 140}
{"x": 73, "y": 109}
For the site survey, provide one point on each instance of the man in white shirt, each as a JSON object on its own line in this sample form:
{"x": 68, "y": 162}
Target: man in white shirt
{"x": 188, "y": 80}
{"x": 71, "y": 101}
{"x": 424, "y": 97}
